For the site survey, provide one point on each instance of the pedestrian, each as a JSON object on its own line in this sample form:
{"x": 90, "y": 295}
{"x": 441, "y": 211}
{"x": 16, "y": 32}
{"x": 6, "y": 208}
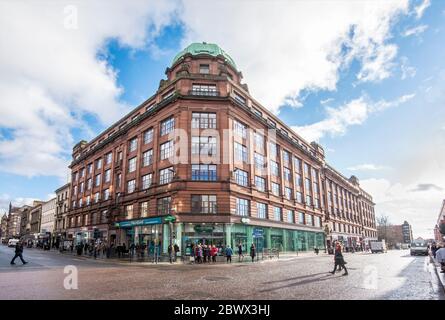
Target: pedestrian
{"x": 214, "y": 253}
{"x": 253, "y": 252}
{"x": 170, "y": 253}
{"x": 339, "y": 260}
{"x": 156, "y": 252}
{"x": 440, "y": 257}
{"x": 85, "y": 248}
{"x": 18, "y": 253}
{"x": 199, "y": 253}
{"x": 229, "y": 253}
{"x": 240, "y": 252}
{"x": 204, "y": 253}
{"x": 176, "y": 247}
{"x": 192, "y": 253}
{"x": 143, "y": 246}
{"x": 316, "y": 250}
{"x": 132, "y": 248}
{"x": 434, "y": 250}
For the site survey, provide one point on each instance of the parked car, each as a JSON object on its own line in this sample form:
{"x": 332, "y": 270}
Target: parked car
{"x": 13, "y": 242}
{"x": 419, "y": 248}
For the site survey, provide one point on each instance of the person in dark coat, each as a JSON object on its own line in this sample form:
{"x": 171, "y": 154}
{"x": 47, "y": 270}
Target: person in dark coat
{"x": 170, "y": 254}
{"x": 339, "y": 260}
{"x": 176, "y": 247}
{"x": 253, "y": 252}
{"x": 240, "y": 252}
{"x": 18, "y": 253}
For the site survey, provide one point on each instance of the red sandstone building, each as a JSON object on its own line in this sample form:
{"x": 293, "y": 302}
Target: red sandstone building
{"x": 439, "y": 228}
{"x": 203, "y": 161}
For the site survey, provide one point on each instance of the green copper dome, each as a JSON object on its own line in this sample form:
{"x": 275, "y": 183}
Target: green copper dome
{"x": 205, "y": 48}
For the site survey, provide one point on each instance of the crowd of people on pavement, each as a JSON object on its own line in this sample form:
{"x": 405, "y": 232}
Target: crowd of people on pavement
{"x": 203, "y": 253}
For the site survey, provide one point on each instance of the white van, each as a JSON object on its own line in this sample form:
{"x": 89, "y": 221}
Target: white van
{"x": 13, "y": 242}
{"x": 378, "y": 246}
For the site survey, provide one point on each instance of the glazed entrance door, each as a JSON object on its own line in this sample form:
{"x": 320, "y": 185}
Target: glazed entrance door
{"x": 276, "y": 242}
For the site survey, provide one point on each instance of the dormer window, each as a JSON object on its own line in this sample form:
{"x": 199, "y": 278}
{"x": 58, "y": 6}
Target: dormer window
{"x": 204, "y": 68}
{"x": 168, "y": 94}
{"x": 257, "y": 112}
{"x": 240, "y": 98}
{"x": 204, "y": 90}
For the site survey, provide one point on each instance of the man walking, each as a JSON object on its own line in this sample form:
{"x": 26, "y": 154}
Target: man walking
{"x": 18, "y": 253}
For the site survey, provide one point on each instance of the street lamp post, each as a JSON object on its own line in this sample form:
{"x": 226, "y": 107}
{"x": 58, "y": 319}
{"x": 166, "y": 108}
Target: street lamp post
{"x": 326, "y": 232}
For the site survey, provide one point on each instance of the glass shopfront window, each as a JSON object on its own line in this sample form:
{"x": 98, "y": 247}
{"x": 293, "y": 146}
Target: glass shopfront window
{"x": 204, "y": 234}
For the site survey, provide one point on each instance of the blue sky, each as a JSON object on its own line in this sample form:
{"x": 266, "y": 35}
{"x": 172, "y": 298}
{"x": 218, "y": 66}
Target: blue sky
{"x": 394, "y": 144}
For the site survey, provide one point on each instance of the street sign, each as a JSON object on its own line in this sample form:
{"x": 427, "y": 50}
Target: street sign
{"x": 257, "y": 233}
{"x": 169, "y": 219}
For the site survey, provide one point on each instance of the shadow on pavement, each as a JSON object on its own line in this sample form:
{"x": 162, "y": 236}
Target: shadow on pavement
{"x": 295, "y": 278}
{"x": 303, "y": 282}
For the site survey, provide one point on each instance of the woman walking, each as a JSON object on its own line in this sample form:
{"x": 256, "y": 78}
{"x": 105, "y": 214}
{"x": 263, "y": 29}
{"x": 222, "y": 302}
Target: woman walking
{"x": 339, "y": 260}
{"x": 214, "y": 253}
{"x": 229, "y": 253}
{"x": 240, "y": 252}
{"x": 253, "y": 252}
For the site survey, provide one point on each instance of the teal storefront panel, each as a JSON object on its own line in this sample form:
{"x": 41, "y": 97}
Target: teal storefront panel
{"x": 275, "y": 238}
{"x": 138, "y": 222}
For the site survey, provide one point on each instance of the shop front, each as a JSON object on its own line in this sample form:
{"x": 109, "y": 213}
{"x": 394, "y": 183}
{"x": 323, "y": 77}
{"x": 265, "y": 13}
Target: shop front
{"x": 234, "y": 234}
{"x": 284, "y": 240}
{"x": 146, "y": 232}
{"x": 204, "y": 234}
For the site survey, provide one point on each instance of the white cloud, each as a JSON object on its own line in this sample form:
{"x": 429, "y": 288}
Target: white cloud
{"x": 413, "y": 192}
{"x": 5, "y": 199}
{"x": 408, "y": 71}
{"x": 282, "y": 49}
{"x": 368, "y": 167}
{"x": 326, "y": 101}
{"x": 352, "y": 113}
{"x": 415, "y": 31}
{"x": 51, "y": 74}
{"x": 420, "y": 9}
{"x": 400, "y": 202}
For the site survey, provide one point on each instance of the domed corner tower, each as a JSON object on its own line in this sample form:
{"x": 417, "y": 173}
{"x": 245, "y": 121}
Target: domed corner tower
{"x": 206, "y": 59}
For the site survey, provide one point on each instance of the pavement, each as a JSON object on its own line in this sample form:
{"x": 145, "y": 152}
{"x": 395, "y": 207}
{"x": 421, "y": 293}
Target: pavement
{"x": 394, "y": 275}
{"x": 440, "y": 275}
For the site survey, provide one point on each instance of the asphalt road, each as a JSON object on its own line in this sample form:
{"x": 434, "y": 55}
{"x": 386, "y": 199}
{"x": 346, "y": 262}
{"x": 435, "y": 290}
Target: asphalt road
{"x": 392, "y": 275}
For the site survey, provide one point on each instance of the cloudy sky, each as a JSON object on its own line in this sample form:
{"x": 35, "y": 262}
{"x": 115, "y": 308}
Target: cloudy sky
{"x": 366, "y": 79}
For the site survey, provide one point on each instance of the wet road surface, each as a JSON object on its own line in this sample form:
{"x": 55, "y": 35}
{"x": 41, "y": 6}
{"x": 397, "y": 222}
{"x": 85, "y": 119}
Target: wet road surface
{"x": 392, "y": 275}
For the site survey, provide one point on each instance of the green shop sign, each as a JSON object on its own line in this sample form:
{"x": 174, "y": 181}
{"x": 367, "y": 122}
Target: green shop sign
{"x": 199, "y": 228}
{"x": 169, "y": 219}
